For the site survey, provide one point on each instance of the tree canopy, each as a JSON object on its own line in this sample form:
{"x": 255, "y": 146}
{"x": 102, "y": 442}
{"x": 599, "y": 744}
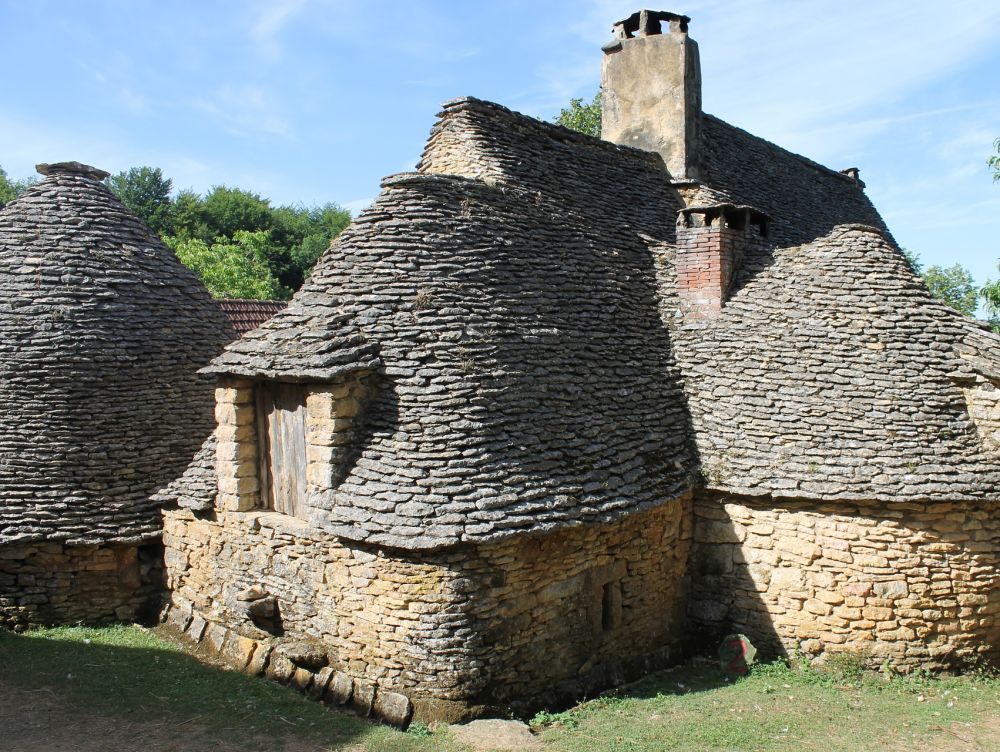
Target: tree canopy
{"x": 994, "y": 161}
{"x": 217, "y": 228}
{"x": 146, "y": 193}
{"x": 953, "y": 285}
{"x": 236, "y": 268}
{"x": 582, "y": 116}
{"x": 11, "y": 189}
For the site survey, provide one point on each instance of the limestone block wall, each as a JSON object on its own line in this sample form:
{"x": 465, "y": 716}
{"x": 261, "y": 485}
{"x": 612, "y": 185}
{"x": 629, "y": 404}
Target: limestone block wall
{"x": 518, "y": 623}
{"x": 45, "y": 584}
{"x": 915, "y": 585}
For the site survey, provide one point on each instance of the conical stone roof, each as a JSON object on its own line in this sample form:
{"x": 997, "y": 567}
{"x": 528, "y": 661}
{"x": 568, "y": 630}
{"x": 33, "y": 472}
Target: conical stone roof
{"x": 102, "y": 331}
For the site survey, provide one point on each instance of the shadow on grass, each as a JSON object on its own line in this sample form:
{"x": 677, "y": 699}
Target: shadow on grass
{"x": 134, "y": 676}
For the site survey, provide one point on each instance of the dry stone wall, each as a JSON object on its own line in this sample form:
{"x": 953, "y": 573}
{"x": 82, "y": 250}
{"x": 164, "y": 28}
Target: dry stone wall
{"x": 518, "y": 623}
{"x": 908, "y": 584}
{"x": 45, "y": 584}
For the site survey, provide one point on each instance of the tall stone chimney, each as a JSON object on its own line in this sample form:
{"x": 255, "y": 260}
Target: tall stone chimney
{"x": 651, "y": 89}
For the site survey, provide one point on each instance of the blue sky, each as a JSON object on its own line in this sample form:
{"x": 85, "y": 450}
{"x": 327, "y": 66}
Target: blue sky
{"x": 315, "y": 100}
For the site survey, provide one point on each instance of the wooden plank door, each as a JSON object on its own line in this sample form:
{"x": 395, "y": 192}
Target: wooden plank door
{"x": 282, "y": 408}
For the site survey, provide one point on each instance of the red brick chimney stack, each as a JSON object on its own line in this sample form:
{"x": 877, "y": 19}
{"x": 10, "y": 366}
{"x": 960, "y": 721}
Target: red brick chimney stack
{"x": 711, "y": 241}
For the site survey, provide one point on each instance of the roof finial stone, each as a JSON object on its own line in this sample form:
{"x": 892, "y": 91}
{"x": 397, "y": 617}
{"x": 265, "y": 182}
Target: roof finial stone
{"x": 71, "y": 168}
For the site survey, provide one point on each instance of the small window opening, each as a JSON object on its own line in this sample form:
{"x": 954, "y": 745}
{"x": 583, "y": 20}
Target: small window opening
{"x": 611, "y": 605}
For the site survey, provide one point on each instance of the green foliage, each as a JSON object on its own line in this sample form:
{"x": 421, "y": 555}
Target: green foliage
{"x": 953, "y": 285}
{"x": 296, "y": 235}
{"x": 994, "y": 161}
{"x": 306, "y": 232}
{"x": 419, "y": 729}
{"x": 146, "y": 193}
{"x": 229, "y": 210}
{"x": 11, "y": 189}
{"x": 913, "y": 261}
{"x": 236, "y": 268}
{"x": 581, "y": 116}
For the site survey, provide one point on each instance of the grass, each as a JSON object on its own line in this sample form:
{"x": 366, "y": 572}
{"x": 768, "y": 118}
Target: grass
{"x": 779, "y": 707}
{"x": 131, "y": 674}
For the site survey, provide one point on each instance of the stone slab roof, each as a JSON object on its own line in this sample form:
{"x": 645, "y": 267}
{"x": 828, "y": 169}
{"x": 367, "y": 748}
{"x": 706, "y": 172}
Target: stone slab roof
{"x": 833, "y": 374}
{"x": 517, "y": 300}
{"x": 246, "y": 315}
{"x": 102, "y": 331}
{"x": 527, "y": 380}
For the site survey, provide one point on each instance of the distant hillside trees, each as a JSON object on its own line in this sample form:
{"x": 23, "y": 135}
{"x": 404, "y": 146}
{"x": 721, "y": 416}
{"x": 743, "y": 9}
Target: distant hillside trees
{"x": 231, "y": 236}
{"x": 582, "y": 116}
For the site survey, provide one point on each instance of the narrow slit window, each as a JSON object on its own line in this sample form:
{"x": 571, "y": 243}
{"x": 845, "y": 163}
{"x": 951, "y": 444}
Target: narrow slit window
{"x": 611, "y": 605}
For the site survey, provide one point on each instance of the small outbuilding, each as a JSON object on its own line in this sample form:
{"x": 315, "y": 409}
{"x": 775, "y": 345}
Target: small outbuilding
{"x": 102, "y": 331}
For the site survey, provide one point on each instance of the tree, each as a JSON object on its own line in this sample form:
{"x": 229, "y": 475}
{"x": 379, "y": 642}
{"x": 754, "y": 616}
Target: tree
{"x": 229, "y": 210}
{"x": 582, "y": 117}
{"x": 296, "y": 236}
{"x": 307, "y": 232}
{"x": 913, "y": 261}
{"x": 11, "y": 189}
{"x": 146, "y": 193}
{"x": 232, "y": 269}
{"x": 953, "y": 285}
{"x": 994, "y": 161}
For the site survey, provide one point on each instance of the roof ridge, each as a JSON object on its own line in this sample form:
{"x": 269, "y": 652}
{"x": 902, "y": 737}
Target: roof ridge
{"x": 483, "y": 105}
{"x": 805, "y": 160}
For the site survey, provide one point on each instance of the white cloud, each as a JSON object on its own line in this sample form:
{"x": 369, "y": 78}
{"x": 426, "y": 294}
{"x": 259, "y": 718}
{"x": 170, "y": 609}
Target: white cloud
{"x": 271, "y": 20}
{"x": 247, "y": 110}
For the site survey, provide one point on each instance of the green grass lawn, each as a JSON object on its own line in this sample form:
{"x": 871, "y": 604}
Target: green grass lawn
{"x": 130, "y": 676}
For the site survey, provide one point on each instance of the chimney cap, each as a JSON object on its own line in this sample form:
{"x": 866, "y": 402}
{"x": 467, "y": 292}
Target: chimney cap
{"x": 71, "y": 168}
{"x": 647, "y": 22}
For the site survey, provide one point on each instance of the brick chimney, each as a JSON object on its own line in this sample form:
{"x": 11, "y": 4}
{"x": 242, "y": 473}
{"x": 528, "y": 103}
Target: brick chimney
{"x": 711, "y": 241}
{"x": 651, "y": 89}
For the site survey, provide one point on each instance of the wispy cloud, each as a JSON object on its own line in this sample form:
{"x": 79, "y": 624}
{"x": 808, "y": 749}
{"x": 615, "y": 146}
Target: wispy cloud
{"x": 247, "y": 110}
{"x": 271, "y": 19}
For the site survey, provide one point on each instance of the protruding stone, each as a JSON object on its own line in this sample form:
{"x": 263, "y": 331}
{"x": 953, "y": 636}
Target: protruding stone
{"x": 340, "y": 690}
{"x": 305, "y": 653}
{"x": 363, "y": 697}
{"x": 321, "y": 680}
{"x": 279, "y": 668}
{"x": 72, "y": 168}
{"x": 393, "y": 708}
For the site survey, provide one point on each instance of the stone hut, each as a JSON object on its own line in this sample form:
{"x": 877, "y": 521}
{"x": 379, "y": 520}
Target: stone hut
{"x": 554, "y": 408}
{"x": 102, "y": 331}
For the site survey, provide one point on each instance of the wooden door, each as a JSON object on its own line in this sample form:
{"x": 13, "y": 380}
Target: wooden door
{"x": 282, "y": 428}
